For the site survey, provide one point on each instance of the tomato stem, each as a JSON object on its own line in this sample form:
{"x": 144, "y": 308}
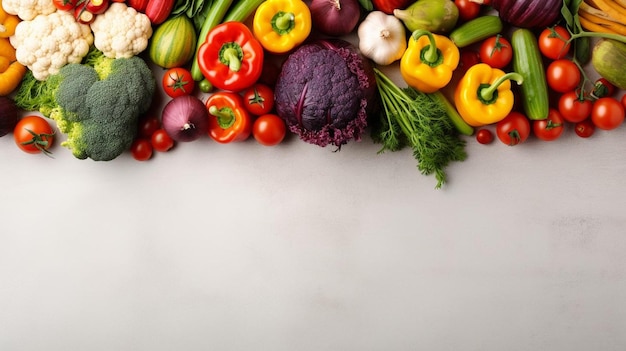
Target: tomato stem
{"x": 40, "y": 141}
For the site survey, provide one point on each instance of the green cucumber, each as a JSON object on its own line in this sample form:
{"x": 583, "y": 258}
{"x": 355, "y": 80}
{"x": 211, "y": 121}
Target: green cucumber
{"x": 242, "y": 10}
{"x": 456, "y": 119}
{"x": 476, "y": 30}
{"x": 527, "y": 61}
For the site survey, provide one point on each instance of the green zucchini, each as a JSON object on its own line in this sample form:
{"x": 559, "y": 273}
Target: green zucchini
{"x": 475, "y": 30}
{"x": 216, "y": 14}
{"x": 527, "y": 61}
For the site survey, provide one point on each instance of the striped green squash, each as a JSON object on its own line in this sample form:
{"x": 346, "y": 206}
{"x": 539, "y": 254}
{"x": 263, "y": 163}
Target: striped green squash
{"x": 173, "y": 43}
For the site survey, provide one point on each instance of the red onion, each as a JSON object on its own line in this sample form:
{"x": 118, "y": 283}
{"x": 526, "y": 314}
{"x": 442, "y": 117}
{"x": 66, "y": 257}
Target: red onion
{"x": 8, "y": 115}
{"x": 185, "y": 118}
{"x": 335, "y": 17}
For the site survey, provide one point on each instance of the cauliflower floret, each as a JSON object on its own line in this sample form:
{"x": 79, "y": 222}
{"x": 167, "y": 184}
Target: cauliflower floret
{"x": 28, "y": 9}
{"x": 49, "y": 42}
{"x": 121, "y": 32}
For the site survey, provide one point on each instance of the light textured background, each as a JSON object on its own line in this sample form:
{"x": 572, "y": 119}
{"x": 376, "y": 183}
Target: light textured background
{"x": 243, "y": 247}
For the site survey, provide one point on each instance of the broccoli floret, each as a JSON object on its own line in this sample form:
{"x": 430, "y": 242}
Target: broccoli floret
{"x": 96, "y": 104}
{"x": 71, "y": 95}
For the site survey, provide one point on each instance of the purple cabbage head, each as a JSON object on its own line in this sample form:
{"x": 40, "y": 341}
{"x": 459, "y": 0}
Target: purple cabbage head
{"x": 325, "y": 91}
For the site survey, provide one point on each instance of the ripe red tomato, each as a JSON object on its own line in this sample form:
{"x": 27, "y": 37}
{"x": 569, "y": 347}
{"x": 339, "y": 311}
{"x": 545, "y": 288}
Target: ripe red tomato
{"x": 387, "y": 6}
{"x": 467, "y": 9}
{"x": 484, "y": 136}
{"x": 148, "y": 124}
{"x": 574, "y": 107}
{"x": 623, "y": 100}
{"x": 496, "y": 51}
{"x": 161, "y": 141}
{"x": 141, "y": 149}
{"x": 269, "y": 129}
{"x": 551, "y": 128}
{"x": 607, "y": 113}
{"x": 563, "y": 75}
{"x": 584, "y": 129}
{"x": 513, "y": 129}
{"x": 259, "y": 99}
{"x": 33, "y": 134}
{"x": 553, "y": 42}
{"x": 177, "y": 81}
{"x": 65, "y": 5}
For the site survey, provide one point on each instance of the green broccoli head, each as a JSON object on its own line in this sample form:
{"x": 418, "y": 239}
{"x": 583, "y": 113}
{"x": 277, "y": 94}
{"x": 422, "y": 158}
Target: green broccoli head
{"x": 96, "y": 103}
{"x": 100, "y": 116}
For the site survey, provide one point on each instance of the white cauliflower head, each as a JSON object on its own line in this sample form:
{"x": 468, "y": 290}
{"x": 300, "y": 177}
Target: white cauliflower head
{"x": 28, "y": 9}
{"x": 49, "y": 42}
{"x": 121, "y": 31}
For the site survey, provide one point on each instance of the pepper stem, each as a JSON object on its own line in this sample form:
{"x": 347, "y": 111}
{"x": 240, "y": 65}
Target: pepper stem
{"x": 283, "y": 22}
{"x": 224, "y": 116}
{"x": 231, "y": 56}
{"x": 488, "y": 92}
{"x": 430, "y": 53}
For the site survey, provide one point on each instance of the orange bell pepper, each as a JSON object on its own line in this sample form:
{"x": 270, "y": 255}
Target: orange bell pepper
{"x": 8, "y": 22}
{"x": 228, "y": 119}
{"x": 11, "y": 71}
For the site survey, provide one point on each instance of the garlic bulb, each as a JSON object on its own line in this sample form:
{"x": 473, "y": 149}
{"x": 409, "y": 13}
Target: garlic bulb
{"x": 382, "y": 38}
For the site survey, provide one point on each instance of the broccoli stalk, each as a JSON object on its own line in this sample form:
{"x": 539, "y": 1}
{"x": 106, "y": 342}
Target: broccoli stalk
{"x": 96, "y": 104}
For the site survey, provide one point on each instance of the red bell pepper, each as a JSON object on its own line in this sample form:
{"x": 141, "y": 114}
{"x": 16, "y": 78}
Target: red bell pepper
{"x": 231, "y": 58}
{"x": 228, "y": 118}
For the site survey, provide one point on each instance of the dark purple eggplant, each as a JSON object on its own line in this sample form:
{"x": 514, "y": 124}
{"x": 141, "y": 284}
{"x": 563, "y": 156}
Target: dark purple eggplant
{"x": 528, "y": 13}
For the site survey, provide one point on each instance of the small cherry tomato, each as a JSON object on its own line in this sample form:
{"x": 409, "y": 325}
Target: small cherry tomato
{"x": 574, "y": 107}
{"x": 563, "y": 75}
{"x": 584, "y": 129}
{"x": 64, "y": 5}
{"x": 496, "y": 51}
{"x": 484, "y": 136}
{"x": 148, "y": 124}
{"x": 177, "y": 81}
{"x": 33, "y": 135}
{"x": 553, "y": 42}
{"x": 269, "y": 129}
{"x": 607, "y": 113}
{"x": 551, "y": 128}
{"x": 141, "y": 149}
{"x": 259, "y": 99}
{"x": 468, "y": 10}
{"x": 161, "y": 141}
{"x": 514, "y": 129}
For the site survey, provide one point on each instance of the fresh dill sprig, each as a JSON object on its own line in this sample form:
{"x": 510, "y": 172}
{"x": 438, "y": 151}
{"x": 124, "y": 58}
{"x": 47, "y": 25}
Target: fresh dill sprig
{"x": 416, "y": 119}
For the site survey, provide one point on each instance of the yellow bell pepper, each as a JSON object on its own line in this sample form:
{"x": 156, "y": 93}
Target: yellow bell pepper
{"x": 11, "y": 71}
{"x": 8, "y": 22}
{"x": 429, "y": 61}
{"x": 281, "y": 25}
{"x": 483, "y": 95}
